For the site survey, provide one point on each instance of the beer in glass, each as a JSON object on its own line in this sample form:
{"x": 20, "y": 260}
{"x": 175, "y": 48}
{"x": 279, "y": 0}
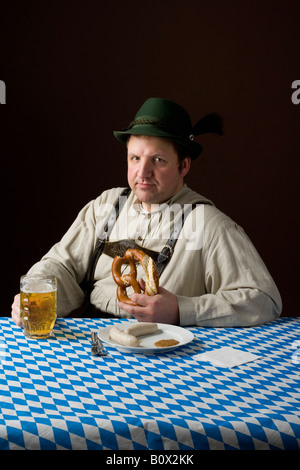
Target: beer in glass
{"x": 38, "y": 295}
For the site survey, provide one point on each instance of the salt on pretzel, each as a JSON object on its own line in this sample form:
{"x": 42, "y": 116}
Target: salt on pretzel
{"x": 152, "y": 277}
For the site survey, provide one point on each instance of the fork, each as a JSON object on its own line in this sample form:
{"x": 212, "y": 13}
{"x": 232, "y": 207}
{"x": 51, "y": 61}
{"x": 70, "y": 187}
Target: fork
{"x": 97, "y": 346}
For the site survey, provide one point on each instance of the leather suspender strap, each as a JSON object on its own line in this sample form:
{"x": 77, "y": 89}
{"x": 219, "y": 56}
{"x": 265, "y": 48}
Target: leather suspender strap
{"x": 120, "y": 247}
{"x": 167, "y": 251}
{"x": 87, "y": 284}
{"x": 162, "y": 258}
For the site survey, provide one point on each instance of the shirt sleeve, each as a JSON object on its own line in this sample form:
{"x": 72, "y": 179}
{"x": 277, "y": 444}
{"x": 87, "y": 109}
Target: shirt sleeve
{"x": 239, "y": 289}
{"x": 68, "y": 260}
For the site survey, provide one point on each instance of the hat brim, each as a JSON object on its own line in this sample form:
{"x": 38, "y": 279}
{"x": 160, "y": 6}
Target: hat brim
{"x": 193, "y": 148}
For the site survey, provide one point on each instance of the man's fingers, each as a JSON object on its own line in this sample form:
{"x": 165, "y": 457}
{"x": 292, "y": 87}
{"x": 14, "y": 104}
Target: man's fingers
{"x": 142, "y": 284}
{"x": 15, "y": 310}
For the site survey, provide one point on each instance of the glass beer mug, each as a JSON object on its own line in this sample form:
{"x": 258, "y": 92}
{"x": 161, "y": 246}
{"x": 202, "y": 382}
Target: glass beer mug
{"x": 38, "y": 294}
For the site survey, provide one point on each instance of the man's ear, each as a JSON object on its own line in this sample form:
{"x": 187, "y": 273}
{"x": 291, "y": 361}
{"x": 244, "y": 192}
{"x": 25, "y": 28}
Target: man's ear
{"x": 185, "y": 166}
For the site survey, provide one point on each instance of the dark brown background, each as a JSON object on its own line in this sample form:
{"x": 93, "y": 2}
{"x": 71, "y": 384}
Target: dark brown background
{"x": 74, "y": 71}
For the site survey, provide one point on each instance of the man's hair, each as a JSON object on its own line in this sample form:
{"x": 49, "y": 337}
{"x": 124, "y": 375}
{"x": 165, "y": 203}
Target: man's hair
{"x": 181, "y": 151}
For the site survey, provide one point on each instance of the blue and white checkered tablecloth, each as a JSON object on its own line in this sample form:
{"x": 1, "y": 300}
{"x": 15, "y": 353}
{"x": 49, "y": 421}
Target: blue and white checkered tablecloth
{"x": 55, "y": 395}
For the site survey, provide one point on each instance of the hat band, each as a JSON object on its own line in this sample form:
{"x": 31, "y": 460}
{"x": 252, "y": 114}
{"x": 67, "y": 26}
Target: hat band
{"x": 158, "y": 124}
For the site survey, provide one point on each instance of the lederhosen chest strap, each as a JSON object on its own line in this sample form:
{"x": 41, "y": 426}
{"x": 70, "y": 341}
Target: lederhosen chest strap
{"x": 167, "y": 251}
{"x": 87, "y": 283}
{"x": 119, "y": 248}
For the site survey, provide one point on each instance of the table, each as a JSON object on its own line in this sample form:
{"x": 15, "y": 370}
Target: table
{"x": 55, "y": 395}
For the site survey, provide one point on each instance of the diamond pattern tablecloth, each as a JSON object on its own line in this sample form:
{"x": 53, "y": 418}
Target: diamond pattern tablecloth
{"x": 55, "y": 395}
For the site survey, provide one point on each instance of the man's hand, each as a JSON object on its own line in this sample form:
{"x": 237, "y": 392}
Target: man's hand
{"x": 159, "y": 308}
{"x": 15, "y": 310}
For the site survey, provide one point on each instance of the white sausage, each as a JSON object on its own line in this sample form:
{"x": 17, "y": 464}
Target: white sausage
{"x": 141, "y": 328}
{"x": 121, "y": 337}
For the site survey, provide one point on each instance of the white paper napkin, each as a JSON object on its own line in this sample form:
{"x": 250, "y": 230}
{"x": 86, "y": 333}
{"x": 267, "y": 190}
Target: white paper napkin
{"x": 226, "y": 357}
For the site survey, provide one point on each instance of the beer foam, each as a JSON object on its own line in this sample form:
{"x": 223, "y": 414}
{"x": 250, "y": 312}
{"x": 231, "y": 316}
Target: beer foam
{"x": 37, "y": 287}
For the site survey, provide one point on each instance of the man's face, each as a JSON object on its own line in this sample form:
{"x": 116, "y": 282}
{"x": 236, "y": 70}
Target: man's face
{"x": 153, "y": 169}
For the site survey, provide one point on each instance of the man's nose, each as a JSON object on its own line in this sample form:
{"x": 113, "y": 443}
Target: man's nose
{"x": 145, "y": 169}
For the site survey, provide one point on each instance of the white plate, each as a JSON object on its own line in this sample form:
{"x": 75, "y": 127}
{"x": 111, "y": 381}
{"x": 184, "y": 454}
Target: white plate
{"x": 164, "y": 331}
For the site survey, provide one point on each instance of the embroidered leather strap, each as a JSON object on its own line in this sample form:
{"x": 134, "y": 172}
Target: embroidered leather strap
{"x": 167, "y": 251}
{"x": 119, "y": 248}
{"x": 87, "y": 283}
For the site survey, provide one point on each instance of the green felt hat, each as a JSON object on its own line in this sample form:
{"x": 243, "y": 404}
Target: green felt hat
{"x": 160, "y": 117}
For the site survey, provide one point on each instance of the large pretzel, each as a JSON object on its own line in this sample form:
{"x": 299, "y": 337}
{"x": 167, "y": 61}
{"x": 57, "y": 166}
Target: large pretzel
{"x": 152, "y": 277}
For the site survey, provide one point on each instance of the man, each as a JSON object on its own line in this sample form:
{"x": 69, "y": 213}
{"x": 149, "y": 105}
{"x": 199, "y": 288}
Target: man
{"x": 210, "y": 273}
